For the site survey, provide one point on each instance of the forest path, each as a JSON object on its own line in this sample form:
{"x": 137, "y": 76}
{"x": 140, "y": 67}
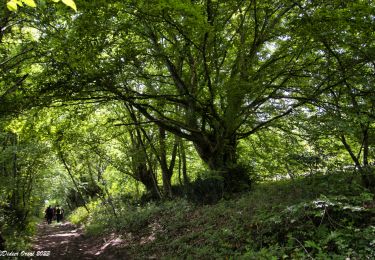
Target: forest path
{"x": 66, "y": 241}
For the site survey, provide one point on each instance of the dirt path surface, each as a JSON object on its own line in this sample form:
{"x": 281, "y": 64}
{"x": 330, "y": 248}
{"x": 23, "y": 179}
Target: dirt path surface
{"x": 66, "y": 241}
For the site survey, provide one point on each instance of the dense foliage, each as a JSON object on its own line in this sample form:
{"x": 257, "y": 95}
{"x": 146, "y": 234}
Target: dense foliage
{"x": 118, "y": 103}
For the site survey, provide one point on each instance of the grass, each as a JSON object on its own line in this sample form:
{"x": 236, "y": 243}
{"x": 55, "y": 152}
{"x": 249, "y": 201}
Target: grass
{"x": 320, "y": 217}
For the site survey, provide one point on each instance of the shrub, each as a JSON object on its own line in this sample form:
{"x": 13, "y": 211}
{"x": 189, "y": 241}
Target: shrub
{"x": 326, "y": 227}
{"x": 237, "y": 178}
{"x": 207, "y": 188}
{"x": 79, "y": 216}
{"x": 211, "y": 186}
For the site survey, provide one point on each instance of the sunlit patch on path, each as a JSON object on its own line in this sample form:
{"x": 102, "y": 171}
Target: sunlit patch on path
{"x": 66, "y": 241}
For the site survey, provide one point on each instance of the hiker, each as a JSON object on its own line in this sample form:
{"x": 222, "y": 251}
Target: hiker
{"x": 59, "y": 213}
{"x": 49, "y": 214}
{"x": 54, "y": 213}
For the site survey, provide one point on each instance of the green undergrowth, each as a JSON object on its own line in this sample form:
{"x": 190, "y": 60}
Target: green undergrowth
{"x": 321, "y": 217}
{"x": 16, "y": 235}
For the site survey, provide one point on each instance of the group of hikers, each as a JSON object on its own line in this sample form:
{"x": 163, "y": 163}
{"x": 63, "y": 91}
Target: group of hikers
{"x": 55, "y": 213}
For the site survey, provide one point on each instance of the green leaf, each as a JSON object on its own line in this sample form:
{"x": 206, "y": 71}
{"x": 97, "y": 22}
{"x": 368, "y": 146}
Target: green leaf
{"x": 71, "y": 4}
{"x": 18, "y": 2}
{"x": 30, "y": 3}
{"x": 12, "y": 6}
{"x": 56, "y": 1}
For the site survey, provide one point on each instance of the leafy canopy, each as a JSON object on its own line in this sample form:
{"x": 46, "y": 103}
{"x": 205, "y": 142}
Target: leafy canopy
{"x": 13, "y": 4}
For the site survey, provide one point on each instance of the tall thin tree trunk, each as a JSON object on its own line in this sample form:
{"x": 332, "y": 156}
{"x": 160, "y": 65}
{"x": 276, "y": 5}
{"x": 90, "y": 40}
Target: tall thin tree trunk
{"x": 166, "y": 175}
{"x": 368, "y": 174}
{"x": 183, "y": 160}
{"x": 365, "y": 147}
{"x": 66, "y": 166}
{"x": 361, "y": 169}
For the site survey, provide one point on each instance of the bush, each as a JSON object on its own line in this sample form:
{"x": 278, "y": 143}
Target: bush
{"x": 79, "y": 216}
{"x": 135, "y": 218}
{"x": 237, "y": 178}
{"x": 207, "y": 189}
{"x": 326, "y": 227}
{"x": 211, "y": 186}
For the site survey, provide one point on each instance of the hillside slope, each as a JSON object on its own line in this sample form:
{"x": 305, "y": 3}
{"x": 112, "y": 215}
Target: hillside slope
{"x": 316, "y": 217}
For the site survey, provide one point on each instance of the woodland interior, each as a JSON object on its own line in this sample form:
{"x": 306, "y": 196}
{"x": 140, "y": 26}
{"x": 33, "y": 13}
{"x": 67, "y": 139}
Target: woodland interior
{"x": 200, "y": 129}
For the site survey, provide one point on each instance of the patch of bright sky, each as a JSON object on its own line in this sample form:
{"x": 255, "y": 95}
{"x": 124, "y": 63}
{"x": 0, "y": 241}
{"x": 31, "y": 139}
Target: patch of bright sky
{"x": 269, "y": 49}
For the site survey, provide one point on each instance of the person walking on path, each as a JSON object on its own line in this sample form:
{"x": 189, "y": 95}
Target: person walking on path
{"x": 49, "y": 214}
{"x": 59, "y": 213}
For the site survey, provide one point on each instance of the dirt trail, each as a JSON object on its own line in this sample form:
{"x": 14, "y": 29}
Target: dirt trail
{"x": 66, "y": 241}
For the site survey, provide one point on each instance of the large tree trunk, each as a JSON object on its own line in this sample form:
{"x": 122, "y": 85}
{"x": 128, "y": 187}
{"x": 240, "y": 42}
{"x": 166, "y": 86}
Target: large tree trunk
{"x": 221, "y": 158}
{"x": 219, "y": 153}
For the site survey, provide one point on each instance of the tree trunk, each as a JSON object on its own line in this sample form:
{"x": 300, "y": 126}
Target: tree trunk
{"x": 182, "y": 161}
{"x": 363, "y": 169}
{"x": 367, "y": 175}
{"x": 143, "y": 169}
{"x": 219, "y": 153}
{"x": 166, "y": 171}
{"x": 365, "y": 146}
{"x": 67, "y": 168}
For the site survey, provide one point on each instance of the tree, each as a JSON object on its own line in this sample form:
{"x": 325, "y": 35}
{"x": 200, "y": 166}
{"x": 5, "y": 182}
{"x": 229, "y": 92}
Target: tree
{"x": 211, "y": 72}
{"x": 346, "y": 111}
{"x": 16, "y": 51}
{"x": 23, "y": 164}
